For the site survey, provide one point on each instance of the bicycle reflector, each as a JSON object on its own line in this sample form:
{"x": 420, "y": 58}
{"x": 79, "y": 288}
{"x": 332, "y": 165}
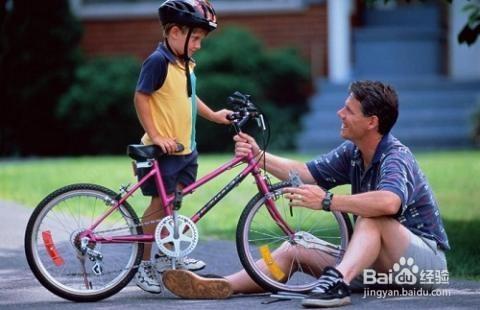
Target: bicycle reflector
{"x": 51, "y": 249}
{"x": 272, "y": 266}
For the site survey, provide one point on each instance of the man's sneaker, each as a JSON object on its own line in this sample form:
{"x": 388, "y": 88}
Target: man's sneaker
{"x": 163, "y": 262}
{"x": 146, "y": 278}
{"x": 330, "y": 292}
{"x": 186, "y": 284}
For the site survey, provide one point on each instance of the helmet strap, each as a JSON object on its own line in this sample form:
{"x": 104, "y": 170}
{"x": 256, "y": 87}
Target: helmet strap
{"x": 186, "y": 58}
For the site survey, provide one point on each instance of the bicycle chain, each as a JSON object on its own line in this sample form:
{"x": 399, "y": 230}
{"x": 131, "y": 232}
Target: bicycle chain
{"x": 128, "y": 227}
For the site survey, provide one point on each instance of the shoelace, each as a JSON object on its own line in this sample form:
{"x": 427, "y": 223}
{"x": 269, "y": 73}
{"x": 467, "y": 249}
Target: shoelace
{"x": 149, "y": 270}
{"x": 325, "y": 283}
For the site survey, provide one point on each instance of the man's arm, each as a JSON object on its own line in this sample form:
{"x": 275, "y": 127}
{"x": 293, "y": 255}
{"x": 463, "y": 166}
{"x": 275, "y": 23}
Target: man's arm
{"x": 142, "y": 106}
{"x": 219, "y": 117}
{"x": 276, "y": 165}
{"x": 369, "y": 204}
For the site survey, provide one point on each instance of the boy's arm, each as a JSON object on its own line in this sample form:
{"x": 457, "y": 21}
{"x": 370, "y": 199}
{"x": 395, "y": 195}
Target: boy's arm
{"x": 219, "y": 117}
{"x": 144, "y": 114}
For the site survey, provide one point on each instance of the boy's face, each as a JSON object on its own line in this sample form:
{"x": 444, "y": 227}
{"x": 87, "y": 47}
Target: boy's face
{"x": 177, "y": 38}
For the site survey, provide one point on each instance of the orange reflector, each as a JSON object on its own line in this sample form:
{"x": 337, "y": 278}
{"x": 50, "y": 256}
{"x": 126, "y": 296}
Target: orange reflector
{"x": 52, "y": 251}
{"x": 272, "y": 266}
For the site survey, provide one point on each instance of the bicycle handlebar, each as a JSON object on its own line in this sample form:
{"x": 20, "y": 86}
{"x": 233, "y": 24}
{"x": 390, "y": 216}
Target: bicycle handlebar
{"x": 243, "y": 110}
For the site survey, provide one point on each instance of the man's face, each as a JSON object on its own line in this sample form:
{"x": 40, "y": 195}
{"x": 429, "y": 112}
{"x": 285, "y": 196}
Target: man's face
{"x": 354, "y": 124}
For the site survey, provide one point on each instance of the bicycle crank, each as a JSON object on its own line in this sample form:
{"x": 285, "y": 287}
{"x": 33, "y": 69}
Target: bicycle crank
{"x": 176, "y": 236}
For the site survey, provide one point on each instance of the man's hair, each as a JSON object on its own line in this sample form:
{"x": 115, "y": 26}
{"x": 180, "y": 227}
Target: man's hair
{"x": 377, "y": 99}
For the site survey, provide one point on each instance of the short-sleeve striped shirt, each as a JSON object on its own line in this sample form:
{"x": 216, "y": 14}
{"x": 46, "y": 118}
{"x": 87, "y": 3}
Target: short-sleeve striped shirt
{"x": 394, "y": 169}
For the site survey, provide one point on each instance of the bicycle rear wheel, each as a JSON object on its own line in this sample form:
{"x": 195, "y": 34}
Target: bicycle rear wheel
{"x": 54, "y": 249}
{"x": 278, "y": 261}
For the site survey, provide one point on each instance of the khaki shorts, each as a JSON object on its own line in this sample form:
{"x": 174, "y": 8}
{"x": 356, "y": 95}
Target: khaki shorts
{"x": 423, "y": 261}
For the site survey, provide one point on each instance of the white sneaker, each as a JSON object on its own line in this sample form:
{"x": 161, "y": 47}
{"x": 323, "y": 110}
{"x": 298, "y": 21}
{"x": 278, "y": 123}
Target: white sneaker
{"x": 163, "y": 262}
{"x": 146, "y": 278}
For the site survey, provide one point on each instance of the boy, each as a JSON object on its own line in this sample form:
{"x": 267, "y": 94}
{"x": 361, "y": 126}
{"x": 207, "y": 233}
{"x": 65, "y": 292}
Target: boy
{"x": 166, "y": 106}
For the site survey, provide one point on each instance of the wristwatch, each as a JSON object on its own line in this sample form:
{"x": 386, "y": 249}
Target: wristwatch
{"x": 327, "y": 201}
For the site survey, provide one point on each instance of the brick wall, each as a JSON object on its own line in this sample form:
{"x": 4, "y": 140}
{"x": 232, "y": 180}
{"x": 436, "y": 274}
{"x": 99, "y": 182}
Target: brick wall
{"x": 304, "y": 29}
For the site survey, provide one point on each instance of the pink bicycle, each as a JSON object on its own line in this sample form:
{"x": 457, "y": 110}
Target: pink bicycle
{"x": 84, "y": 242}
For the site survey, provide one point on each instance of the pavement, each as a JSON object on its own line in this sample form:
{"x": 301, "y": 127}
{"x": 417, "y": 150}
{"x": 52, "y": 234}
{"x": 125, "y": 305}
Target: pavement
{"x": 20, "y": 290}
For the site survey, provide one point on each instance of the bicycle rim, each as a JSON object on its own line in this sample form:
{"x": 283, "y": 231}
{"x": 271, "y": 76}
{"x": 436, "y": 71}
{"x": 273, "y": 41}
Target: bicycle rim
{"x": 53, "y": 247}
{"x": 291, "y": 263}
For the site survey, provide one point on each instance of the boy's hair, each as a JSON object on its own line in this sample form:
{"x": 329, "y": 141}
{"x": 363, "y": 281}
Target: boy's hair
{"x": 169, "y": 26}
{"x": 377, "y": 99}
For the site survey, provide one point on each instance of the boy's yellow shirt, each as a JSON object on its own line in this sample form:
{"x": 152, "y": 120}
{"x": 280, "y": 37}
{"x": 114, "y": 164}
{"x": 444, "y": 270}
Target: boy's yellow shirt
{"x": 173, "y": 112}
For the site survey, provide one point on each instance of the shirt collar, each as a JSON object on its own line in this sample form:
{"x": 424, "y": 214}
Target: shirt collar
{"x": 162, "y": 48}
{"x": 382, "y": 148}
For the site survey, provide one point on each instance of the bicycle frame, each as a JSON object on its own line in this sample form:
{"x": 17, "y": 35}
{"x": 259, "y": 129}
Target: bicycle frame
{"x": 251, "y": 168}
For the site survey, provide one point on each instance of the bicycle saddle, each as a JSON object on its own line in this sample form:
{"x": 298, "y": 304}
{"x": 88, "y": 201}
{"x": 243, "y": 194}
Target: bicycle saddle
{"x": 144, "y": 152}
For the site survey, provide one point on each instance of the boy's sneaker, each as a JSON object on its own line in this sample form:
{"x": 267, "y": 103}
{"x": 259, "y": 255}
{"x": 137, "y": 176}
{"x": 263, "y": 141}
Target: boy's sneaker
{"x": 146, "y": 278}
{"x": 330, "y": 292}
{"x": 163, "y": 262}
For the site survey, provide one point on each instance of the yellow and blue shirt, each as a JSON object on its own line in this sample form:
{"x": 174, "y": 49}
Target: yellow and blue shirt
{"x": 174, "y": 114}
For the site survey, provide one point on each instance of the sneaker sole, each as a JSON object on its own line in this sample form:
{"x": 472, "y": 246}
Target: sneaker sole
{"x": 188, "y": 285}
{"x": 326, "y": 302}
{"x": 145, "y": 290}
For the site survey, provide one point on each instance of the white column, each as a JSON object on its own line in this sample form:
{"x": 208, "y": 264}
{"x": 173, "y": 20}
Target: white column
{"x": 464, "y": 59}
{"x": 339, "y": 49}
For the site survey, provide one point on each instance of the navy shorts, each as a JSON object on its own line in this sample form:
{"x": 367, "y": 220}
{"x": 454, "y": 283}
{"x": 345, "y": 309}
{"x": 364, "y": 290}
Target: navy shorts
{"x": 175, "y": 169}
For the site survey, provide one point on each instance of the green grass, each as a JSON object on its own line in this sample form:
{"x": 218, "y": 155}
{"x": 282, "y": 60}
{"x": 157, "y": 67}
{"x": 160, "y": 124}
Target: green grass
{"x": 454, "y": 177}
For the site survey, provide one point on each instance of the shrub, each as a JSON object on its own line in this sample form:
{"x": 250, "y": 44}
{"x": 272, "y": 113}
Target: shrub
{"x": 98, "y": 109}
{"x": 38, "y": 55}
{"x": 278, "y": 81}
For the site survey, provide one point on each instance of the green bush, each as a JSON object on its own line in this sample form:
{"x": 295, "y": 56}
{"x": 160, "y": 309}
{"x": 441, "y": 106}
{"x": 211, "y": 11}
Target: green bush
{"x": 98, "y": 109}
{"x": 278, "y": 81}
{"x": 38, "y": 55}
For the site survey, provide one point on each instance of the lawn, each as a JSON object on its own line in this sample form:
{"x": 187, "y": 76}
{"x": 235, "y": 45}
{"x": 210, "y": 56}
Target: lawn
{"x": 453, "y": 175}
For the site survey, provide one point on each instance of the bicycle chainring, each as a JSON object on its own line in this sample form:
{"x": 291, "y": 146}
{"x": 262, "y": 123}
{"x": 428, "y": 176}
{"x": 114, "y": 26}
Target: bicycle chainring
{"x": 176, "y": 246}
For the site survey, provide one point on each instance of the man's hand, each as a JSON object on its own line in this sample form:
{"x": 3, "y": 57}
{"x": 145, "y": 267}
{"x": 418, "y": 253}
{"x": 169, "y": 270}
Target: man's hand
{"x": 220, "y": 117}
{"x": 168, "y": 145}
{"x": 245, "y": 144}
{"x": 306, "y": 195}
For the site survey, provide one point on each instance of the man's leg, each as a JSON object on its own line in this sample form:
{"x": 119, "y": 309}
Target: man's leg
{"x": 289, "y": 259}
{"x": 376, "y": 242}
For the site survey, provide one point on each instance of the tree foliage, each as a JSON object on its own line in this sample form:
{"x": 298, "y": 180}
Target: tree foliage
{"x": 39, "y": 51}
{"x": 278, "y": 81}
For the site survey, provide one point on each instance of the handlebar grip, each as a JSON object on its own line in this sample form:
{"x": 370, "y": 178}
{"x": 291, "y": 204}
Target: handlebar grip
{"x": 231, "y": 117}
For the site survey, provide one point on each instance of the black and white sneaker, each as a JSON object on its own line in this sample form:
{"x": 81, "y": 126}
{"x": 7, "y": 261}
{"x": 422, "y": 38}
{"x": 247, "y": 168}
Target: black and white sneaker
{"x": 163, "y": 262}
{"x": 146, "y": 279}
{"x": 330, "y": 292}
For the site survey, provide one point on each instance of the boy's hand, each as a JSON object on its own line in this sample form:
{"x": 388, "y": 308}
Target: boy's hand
{"x": 168, "y": 145}
{"x": 220, "y": 117}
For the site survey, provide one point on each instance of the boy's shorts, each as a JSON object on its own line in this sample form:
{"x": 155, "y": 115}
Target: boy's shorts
{"x": 175, "y": 169}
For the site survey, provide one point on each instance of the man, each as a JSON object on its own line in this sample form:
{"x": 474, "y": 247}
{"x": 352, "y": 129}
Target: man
{"x": 395, "y": 209}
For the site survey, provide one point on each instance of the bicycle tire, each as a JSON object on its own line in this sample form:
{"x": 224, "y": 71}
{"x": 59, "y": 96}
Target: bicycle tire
{"x": 259, "y": 239}
{"x": 52, "y": 245}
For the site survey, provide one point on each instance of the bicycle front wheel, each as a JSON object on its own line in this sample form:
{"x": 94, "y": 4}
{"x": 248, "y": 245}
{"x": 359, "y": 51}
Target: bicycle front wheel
{"x": 77, "y": 268}
{"x": 289, "y": 261}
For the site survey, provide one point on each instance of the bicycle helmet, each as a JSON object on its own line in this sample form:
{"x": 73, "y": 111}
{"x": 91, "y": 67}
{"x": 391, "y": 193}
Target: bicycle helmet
{"x": 191, "y": 13}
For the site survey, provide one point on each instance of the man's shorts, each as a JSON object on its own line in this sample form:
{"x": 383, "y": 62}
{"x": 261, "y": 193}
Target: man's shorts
{"x": 175, "y": 169}
{"x": 423, "y": 258}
